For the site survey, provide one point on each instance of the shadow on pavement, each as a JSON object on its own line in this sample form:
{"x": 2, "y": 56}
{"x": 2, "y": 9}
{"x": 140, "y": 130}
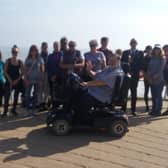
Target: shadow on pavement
{"x": 40, "y": 143}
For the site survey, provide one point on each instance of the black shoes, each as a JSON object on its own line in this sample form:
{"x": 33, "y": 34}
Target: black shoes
{"x": 147, "y": 109}
{"x": 3, "y": 115}
{"x": 12, "y": 111}
{"x": 165, "y": 113}
{"x": 154, "y": 114}
{"x": 134, "y": 113}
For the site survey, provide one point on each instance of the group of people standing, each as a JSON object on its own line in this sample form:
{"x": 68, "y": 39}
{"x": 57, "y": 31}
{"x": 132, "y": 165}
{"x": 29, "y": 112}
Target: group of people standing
{"x": 41, "y": 74}
{"x": 151, "y": 65}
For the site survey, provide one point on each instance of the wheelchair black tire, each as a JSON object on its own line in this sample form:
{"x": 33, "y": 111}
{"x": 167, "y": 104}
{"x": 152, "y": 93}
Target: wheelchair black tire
{"x": 61, "y": 127}
{"x": 118, "y": 128}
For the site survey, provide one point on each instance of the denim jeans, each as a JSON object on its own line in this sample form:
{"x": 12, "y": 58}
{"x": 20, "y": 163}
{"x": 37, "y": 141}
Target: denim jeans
{"x": 32, "y": 95}
{"x": 156, "y": 90}
{"x": 146, "y": 92}
{"x": 2, "y": 86}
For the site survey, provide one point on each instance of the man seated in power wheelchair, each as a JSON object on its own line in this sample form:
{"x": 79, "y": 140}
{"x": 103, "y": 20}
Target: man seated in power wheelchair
{"x": 92, "y": 104}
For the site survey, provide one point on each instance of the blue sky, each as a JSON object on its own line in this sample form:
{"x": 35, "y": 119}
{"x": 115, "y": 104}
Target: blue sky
{"x": 24, "y": 22}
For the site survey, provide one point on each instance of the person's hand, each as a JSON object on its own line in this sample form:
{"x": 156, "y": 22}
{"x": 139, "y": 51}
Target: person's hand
{"x": 15, "y": 82}
{"x": 84, "y": 84}
{"x": 89, "y": 66}
{"x": 141, "y": 74}
{"x": 53, "y": 78}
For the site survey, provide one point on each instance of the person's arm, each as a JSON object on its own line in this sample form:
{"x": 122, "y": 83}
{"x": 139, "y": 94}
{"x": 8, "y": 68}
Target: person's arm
{"x": 80, "y": 65}
{"x": 125, "y": 62}
{"x": 89, "y": 70}
{"x": 93, "y": 83}
{"x": 6, "y": 73}
{"x": 81, "y": 62}
{"x": 141, "y": 54}
{"x": 42, "y": 66}
{"x": 71, "y": 66}
{"x": 66, "y": 66}
{"x": 104, "y": 61}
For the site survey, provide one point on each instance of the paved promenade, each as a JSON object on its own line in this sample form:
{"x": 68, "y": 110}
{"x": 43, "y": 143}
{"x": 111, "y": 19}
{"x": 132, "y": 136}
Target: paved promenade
{"x": 25, "y": 143}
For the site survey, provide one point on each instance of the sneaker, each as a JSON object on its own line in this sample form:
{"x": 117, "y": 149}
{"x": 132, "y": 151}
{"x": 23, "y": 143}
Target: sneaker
{"x": 14, "y": 113}
{"x": 147, "y": 109}
{"x": 3, "y": 115}
{"x": 134, "y": 113}
{"x": 165, "y": 113}
{"x": 34, "y": 115}
{"x": 27, "y": 115}
{"x": 157, "y": 115}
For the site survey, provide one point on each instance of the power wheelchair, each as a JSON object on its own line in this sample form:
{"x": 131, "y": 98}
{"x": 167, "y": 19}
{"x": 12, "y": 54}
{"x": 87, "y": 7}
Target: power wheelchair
{"x": 106, "y": 116}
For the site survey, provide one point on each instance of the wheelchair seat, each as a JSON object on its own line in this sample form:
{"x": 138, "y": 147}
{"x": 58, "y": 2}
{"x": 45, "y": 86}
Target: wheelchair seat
{"x": 120, "y": 94}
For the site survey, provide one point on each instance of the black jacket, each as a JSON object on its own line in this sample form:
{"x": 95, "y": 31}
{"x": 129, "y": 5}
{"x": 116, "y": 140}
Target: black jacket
{"x": 132, "y": 63}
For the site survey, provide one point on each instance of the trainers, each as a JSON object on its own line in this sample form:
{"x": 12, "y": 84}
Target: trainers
{"x": 165, "y": 113}
{"x": 15, "y": 113}
{"x": 3, "y": 115}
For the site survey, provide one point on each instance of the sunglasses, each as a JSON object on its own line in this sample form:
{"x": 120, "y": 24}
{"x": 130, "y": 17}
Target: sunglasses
{"x": 15, "y": 52}
{"x": 71, "y": 45}
{"x": 93, "y": 46}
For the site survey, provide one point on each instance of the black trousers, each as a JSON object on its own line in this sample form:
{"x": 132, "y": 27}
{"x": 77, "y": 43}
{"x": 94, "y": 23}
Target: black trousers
{"x": 86, "y": 102}
{"x": 82, "y": 103}
{"x": 2, "y": 86}
{"x": 56, "y": 91}
{"x": 134, "y": 85}
{"x": 16, "y": 89}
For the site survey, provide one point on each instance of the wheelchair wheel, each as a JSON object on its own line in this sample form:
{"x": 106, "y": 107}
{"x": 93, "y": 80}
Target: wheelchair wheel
{"x": 61, "y": 127}
{"x": 118, "y": 128}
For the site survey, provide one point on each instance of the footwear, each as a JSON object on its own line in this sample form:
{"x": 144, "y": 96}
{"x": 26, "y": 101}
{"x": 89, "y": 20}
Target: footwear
{"x": 147, "y": 109}
{"x": 134, "y": 113}
{"x": 151, "y": 113}
{"x": 157, "y": 115}
{"x": 27, "y": 115}
{"x": 34, "y": 115}
{"x": 3, "y": 115}
{"x": 41, "y": 109}
{"x": 14, "y": 113}
{"x": 165, "y": 113}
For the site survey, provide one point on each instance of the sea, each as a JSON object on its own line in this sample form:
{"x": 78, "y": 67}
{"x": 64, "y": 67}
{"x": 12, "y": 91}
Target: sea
{"x": 6, "y": 53}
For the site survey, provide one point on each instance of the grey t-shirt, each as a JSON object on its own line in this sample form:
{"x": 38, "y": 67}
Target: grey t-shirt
{"x": 108, "y": 75}
{"x": 97, "y": 60}
{"x": 33, "y": 67}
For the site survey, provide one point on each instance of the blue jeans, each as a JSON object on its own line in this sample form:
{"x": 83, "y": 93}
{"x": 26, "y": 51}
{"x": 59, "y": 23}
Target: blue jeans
{"x": 32, "y": 95}
{"x": 156, "y": 90}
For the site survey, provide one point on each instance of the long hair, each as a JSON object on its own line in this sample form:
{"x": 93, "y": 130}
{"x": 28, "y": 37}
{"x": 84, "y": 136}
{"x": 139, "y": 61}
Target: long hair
{"x": 33, "y": 47}
{"x": 154, "y": 53}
